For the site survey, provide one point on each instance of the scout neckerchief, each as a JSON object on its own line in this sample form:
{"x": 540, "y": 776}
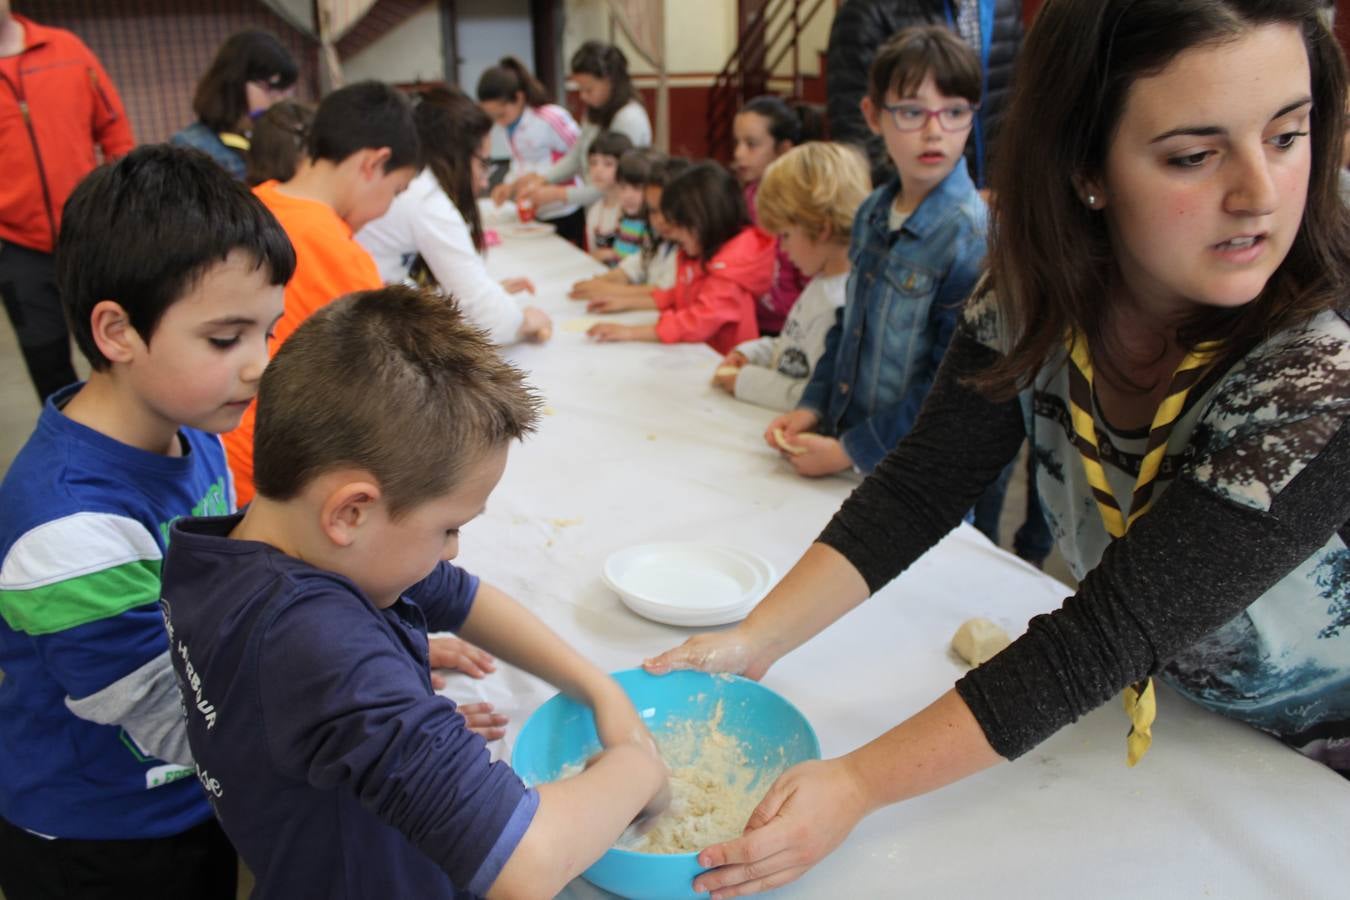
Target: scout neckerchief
{"x": 1140, "y": 698}
{"x": 234, "y": 141}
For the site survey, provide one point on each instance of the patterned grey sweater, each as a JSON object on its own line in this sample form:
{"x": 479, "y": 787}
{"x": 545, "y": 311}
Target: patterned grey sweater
{"x": 1234, "y": 587}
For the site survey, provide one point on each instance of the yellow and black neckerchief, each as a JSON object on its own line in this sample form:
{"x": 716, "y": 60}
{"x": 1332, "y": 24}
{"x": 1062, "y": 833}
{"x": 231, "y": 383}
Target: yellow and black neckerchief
{"x": 1140, "y": 699}
{"x": 234, "y": 141}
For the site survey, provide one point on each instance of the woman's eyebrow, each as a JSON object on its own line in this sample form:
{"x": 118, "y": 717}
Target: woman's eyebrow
{"x": 1212, "y": 130}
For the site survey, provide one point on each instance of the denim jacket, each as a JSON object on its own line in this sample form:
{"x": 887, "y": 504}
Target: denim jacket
{"x": 903, "y": 298}
{"x": 199, "y": 137}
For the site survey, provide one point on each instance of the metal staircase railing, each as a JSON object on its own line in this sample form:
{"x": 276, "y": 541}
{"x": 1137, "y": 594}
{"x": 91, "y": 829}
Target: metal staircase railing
{"x": 772, "y": 34}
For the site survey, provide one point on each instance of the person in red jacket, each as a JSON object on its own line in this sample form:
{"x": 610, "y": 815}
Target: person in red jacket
{"x": 56, "y": 105}
{"x": 724, "y": 265}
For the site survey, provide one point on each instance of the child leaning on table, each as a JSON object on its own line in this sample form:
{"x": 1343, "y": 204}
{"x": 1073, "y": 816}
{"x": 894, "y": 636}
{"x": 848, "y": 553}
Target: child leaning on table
{"x": 918, "y": 245}
{"x": 300, "y": 629}
{"x": 630, "y": 284}
{"x": 724, "y": 264}
{"x": 807, "y": 197}
{"x": 171, "y": 276}
{"x": 602, "y": 216}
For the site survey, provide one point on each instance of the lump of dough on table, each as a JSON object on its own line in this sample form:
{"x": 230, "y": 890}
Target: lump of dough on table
{"x": 979, "y": 640}
{"x": 780, "y": 438}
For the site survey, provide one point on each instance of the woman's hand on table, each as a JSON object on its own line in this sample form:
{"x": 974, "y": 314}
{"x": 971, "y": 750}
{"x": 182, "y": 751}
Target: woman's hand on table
{"x": 481, "y": 719}
{"x": 447, "y": 652}
{"x": 806, "y": 814}
{"x": 735, "y": 651}
{"x": 537, "y": 327}
{"x": 516, "y": 285}
{"x": 727, "y": 380}
{"x": 817, "y": 455}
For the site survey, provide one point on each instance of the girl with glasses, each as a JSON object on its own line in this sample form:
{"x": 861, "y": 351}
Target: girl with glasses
{"x": 917, "y": 245}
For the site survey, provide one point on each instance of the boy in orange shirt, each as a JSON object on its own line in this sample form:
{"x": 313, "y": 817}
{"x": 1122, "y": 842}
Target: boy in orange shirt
{"x": 363, "y": 151}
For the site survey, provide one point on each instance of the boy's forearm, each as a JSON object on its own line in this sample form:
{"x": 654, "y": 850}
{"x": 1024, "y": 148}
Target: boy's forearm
{"x": 578, "y": 819}
{"x": 509, "y": 631}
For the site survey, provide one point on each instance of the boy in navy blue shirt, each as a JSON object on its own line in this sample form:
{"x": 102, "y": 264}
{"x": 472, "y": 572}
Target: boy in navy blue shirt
{"x": 299, "y": 629}
{"x": 171, "y": 276}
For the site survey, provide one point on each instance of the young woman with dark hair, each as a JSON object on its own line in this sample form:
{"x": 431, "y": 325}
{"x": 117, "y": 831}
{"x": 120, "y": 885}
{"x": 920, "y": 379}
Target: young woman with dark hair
{"x": 252, "y": 70}
{"x": 724, "y": 264}
{"x": 434, "y": 225}
{"x": 601, "y": 75}
{"x": 1165, "y": 319}
{"x": 538, "y": 132}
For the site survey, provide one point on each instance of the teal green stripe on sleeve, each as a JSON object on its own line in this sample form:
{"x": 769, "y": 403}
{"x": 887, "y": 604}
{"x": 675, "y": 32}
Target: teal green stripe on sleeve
{"x": 79, "y": 601}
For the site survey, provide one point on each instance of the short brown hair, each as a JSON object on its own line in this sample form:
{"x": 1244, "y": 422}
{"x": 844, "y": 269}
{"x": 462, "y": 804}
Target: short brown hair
{"x": 816, "y": 186}
{"x": 394, "y": 381}
{"x": 911, "y": 53}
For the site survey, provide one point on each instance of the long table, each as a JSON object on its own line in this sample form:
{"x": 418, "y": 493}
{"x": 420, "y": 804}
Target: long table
{"x": 636, "y": 446}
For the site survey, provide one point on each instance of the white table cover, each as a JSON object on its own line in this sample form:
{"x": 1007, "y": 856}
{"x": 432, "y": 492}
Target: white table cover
{"x": 637, "y": 446}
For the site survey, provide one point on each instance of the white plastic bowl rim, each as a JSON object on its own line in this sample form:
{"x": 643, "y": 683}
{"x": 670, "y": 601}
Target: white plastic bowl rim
{"x": 690, "y": 561}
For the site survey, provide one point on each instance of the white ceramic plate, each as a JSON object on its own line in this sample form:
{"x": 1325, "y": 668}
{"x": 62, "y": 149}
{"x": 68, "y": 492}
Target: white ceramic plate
{"x": 691, "y": 584}
{"x": 528, "y": 229}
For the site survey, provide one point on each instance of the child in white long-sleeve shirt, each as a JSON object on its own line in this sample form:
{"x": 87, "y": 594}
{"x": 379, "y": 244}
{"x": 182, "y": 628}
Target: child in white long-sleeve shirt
{"x": 808, "y": 198}
{"x": 433, "y": 231}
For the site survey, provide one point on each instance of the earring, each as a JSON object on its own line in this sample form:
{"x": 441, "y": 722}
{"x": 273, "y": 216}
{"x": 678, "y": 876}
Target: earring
{"x": 1092, "y": 201}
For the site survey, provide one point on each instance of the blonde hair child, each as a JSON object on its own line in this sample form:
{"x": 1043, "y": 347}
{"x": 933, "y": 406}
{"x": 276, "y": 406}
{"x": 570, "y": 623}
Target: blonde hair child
{"x": 807, "y": 198}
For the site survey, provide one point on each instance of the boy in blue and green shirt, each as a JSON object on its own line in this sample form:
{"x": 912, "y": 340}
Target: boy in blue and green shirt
{"x": 171, "y": 275}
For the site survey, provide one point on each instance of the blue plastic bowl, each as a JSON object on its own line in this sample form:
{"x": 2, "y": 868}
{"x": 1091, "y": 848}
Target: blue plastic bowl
{"x": 562, "y": 732}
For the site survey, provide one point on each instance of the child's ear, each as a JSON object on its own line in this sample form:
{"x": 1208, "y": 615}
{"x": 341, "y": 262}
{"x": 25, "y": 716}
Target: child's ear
{"x": 374, "y": 161}
{"x": 348, "y": 508}
{"x": 113, "y": 334}
{"x": 871, "y": 115}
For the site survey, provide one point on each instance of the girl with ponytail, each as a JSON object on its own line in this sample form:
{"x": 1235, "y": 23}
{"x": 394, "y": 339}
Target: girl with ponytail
{"x": 539, "y": 133}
